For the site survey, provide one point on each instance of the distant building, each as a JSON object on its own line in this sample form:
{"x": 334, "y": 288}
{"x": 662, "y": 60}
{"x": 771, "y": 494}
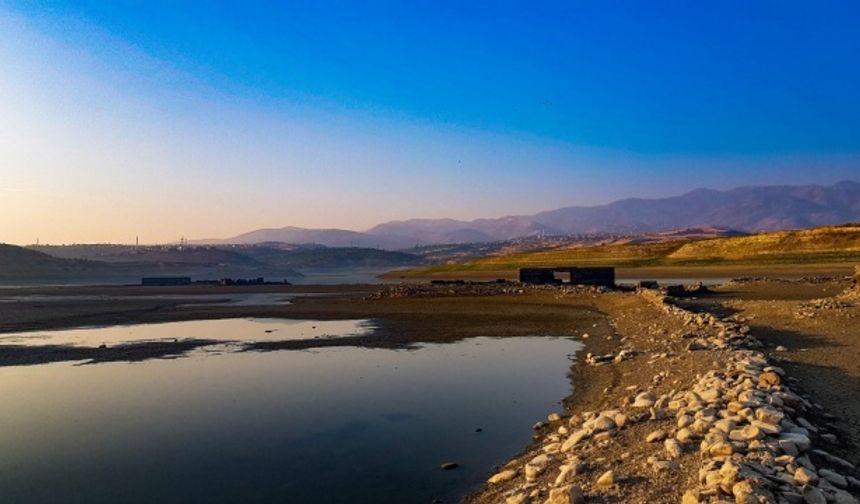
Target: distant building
{"x": 604, "y": 276}
{"x": 164, "y": 281}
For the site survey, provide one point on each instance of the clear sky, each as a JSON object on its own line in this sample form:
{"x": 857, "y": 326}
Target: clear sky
{"x": 169, "y": 119}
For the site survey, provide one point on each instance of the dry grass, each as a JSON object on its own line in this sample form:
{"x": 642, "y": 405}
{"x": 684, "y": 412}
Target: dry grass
{"x": 833, "y": 244}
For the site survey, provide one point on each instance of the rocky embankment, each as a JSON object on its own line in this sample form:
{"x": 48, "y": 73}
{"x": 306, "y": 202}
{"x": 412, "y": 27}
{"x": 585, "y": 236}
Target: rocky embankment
{"x": 465, "y": 288}
{"x": 718, "y": 421}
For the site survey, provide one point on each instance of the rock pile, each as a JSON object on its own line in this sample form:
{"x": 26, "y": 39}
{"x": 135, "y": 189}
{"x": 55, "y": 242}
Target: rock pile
{"x": 853, "y": 292}
{"x": 810, "y": 309}
{"x": 753, "y": 433}
{"x": 755, "y": 441}
{"x": 706, "y": 330}
{"x": 498, "y": 288}
{"x": 749, "y": 437}
{"x": 600, "y": 360}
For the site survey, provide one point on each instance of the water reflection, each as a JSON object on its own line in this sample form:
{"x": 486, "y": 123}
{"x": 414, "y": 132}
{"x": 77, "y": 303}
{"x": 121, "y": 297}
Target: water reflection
{"x": 239, "y": 330}
{"x": 329, "y": 425}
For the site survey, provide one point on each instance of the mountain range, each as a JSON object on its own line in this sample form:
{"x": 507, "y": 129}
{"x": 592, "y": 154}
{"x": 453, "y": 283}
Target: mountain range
{"x": 747, "y": 209}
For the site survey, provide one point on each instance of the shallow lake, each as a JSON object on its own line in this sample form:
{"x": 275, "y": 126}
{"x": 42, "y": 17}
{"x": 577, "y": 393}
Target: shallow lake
{"x": 331, "y": 425}
{"x": 224, "y": 330}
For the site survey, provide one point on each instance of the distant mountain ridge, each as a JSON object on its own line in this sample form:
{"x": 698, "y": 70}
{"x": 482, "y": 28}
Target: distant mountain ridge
{"x": 749, "y": 209}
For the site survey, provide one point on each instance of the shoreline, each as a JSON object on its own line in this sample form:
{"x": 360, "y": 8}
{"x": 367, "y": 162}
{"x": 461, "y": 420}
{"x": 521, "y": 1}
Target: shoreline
{"x": 654, "y": 330}
{"x": 732, "y": 431}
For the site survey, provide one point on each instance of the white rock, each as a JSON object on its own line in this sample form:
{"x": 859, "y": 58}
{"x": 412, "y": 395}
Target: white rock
{"x": 502, "y": 476}
{"x": 520, "y": 498}
{"x": 565, "y": 495}
{"x": 645, "y": 400}
{"x": 673, "y": 448}
{"x": 574, "y": 439}
{"x": 606, "y": 479}
{"x": 769, "y": 415}
{"x": 805, "y": 477}
{"x": 685, "y": 435}
{"x": 603, "y": 423}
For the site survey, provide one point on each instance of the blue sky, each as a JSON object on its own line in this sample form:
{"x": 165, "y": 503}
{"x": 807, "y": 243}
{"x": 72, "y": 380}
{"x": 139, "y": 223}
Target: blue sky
{"x": 345, "y": 114}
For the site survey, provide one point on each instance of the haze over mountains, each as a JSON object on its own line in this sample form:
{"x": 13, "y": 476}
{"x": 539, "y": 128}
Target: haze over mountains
{"x": 750, "y": 209}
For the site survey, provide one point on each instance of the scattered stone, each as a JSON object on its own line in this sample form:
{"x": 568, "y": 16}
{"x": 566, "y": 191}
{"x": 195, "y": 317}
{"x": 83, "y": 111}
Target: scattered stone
{"x": 574, "y": 439}
{"x": 685, "y": 435}
{"x": 566, "y": 495}
{"x": 603, "y": 423}
{"x": 645, "y": 400}
{"x": 535, "y": 467}
{"x": 502, "y": 476}
{"x": 812, "y": 495}
{"x": 520, "y": 498}
{"x": 805, "y": 477}
{"x": 673, "y": 448}
{"x": 769, "y": 379}
{"x": 606, "y": 479}
{"x": 834, "y": 477}
{"x": 690, "y": 497}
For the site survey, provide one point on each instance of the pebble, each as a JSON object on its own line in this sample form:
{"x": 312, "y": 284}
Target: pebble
{"x": 603, "y": 423}
{"x": 574, "y": 439}
{"x": 673, "y": 448}
{"x": 812, "y": 495}
{"x": 690, "y": 497}
{"x": 535, "y": 467}
{"x": 517, "y": 499}
{"x": 502, "y": 476}
{"x": 645, "y": 400}
{"x": 805, "y": 477}
{"x": 685, "y": 435}
{"x": 566, "y": 495}
{"x": 834, "y": 477}
{"x": 606, "y": 479}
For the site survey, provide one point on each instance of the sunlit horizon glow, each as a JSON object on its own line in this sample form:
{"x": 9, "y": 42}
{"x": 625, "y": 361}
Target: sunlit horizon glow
{"x": 164, "y": 120}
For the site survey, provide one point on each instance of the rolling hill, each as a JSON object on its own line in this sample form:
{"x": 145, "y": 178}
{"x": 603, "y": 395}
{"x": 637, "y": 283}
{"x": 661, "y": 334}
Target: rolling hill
{"x": 19, "y": 264}
{"x": 325, "y": 237}
{"x": 831, "y": 244}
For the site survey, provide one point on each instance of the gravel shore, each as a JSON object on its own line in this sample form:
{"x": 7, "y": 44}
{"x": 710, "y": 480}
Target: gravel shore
{"x": 697, "y": 409}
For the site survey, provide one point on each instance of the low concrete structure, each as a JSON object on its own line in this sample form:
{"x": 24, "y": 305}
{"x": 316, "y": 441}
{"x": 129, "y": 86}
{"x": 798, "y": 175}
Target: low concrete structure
{"x": 164, "y": 281}
{"x": 604, "y": 276}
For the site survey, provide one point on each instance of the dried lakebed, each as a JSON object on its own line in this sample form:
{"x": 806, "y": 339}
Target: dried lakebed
{"x": 339, "y": 424}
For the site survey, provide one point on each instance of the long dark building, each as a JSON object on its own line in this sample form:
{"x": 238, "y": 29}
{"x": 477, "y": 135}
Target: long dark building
{"x": 604, "y": 276}
{"x": 165, "y": 281}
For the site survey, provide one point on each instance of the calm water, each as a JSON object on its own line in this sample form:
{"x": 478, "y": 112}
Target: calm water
{"x": 330, "y": 425}
{"x": 225, "y": 330}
